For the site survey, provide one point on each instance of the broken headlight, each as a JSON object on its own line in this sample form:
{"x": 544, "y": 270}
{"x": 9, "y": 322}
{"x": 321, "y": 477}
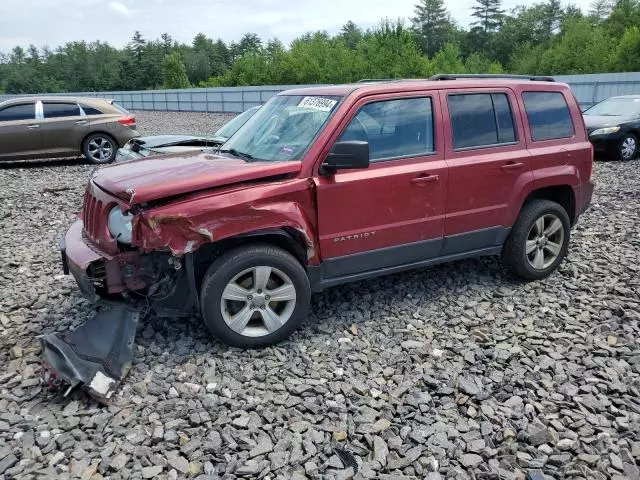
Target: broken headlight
{"x": 120, "y": 225}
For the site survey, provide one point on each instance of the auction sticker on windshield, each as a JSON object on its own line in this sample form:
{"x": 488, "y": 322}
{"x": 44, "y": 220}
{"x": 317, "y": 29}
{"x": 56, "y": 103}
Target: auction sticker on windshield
{"x": 318, "y": 103}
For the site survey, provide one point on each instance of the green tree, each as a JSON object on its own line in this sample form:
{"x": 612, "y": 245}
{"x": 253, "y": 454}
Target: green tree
{"x": 175, "y": 73}
{"x": 432, "y": 25}
{"x": 488, "y": 13}
{"x": 350, "y": 34}
{"x": 626, "y": 56}
{"x": 600, "y": 10}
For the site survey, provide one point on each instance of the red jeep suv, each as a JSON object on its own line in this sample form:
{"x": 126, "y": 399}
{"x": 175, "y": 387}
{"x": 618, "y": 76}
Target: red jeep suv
{"x": 335, "y": 184}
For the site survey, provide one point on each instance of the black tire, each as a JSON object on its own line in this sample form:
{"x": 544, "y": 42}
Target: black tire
{"x": 94, "y": 157}
{"x": 225, "y": 268}
{"x": 514, "y": 253}
{"x": 624, "y": 153}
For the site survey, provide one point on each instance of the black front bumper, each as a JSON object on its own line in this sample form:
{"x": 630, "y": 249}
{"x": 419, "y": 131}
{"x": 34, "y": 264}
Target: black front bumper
{"x": 606, "y": 145}
{"x": 96, "y": 356}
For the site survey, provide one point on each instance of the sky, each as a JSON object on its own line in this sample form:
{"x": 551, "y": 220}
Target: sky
{"x": 54, "y": 22}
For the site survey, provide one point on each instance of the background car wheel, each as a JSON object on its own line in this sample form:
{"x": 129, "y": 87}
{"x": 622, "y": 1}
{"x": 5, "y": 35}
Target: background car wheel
{"x": 100, "y": 148}
{"x": 254, "y": 296}
{"x": 538, "y": 241}
{"x": 628, "y": 148}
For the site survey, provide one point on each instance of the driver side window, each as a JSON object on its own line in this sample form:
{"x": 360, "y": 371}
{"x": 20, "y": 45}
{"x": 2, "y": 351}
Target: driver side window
{"x": 394, "y": 128}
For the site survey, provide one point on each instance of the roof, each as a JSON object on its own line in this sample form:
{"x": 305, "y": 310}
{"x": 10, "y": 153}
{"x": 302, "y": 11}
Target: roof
{"x": 412, "y": 84}
{"x": 54, "y": 98}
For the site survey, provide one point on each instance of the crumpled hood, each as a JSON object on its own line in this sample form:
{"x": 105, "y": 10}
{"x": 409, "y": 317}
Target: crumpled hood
{"x": 601, "y": 121}
{"x": 168, "y": 140}
{"x": 153, "y": 178}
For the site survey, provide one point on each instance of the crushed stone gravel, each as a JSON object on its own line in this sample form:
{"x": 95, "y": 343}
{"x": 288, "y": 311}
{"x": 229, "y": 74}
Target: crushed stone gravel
{"x": 457, "y": 371}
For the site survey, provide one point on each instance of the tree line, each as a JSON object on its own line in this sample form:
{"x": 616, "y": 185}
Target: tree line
{"x": 544, "y": 38}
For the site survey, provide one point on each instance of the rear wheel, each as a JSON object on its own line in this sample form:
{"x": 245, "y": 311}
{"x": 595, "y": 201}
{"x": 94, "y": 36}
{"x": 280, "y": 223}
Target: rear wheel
{"x": 99, "y": 148}
{"x": 255, "y": 296}
{"x": 538, "y": 241}
{"x": 628, "y": 148}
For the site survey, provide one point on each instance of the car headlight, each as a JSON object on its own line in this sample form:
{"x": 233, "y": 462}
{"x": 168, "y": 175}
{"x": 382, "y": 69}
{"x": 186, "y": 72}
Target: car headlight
{"x": 120, "y": 225}
{"x": 605, "y": 131}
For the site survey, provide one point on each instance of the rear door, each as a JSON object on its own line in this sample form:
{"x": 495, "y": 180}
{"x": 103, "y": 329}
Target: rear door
{"x": 391, "y": 213}
{"x": 19, "y": 131}
{"x": 63, "y": 127}
{"x": 488, "y": 167}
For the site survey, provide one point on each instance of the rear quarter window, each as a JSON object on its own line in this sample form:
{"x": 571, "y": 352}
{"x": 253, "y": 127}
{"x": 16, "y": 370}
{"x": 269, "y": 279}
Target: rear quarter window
{"x": 91, "y": 110}
{"x": 549, "y": 116}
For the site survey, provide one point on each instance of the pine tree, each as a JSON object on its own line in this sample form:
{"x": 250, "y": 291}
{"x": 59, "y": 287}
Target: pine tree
{"x": 489, "y": 14}
{"x": 431, "y": 25}
{"x": 600, "y": 9}
{"x": 553, "y": 16}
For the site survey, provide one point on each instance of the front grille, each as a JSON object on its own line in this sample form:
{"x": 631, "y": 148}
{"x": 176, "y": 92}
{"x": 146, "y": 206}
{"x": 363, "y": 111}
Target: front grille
{"x": 94, "y": 215}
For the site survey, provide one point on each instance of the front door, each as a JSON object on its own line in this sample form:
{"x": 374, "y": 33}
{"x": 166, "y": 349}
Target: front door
{"x": 19, "y": 131}
{"x": 489, "y": 166}
{"x": 391, "y": 213}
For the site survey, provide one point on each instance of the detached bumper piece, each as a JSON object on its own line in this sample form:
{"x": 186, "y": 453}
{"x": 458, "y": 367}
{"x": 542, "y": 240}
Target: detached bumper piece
{"x": 96, "y": 356}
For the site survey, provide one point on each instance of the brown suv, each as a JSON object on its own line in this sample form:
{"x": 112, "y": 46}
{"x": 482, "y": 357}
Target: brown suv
{"x": 37, "y": 127}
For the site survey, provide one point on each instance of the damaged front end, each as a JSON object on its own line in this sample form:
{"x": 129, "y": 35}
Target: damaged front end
{"x": 94, "y": 357}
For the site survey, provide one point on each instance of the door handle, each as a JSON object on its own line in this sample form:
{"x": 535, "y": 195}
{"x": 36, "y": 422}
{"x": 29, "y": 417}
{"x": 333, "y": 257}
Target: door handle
{"x": 512, "y": 166}
{"x": 81, "y": 122}
{"x": 31, "y": 127}
{"x": 421, "y": 180}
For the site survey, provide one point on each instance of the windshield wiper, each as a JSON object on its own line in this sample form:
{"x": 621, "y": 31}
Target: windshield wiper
{"x": 236, "y": 153}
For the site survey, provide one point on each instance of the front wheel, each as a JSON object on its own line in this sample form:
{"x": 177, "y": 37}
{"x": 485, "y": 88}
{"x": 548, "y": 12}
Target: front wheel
{"x": 538, "y": 241}
{"x": 254, "y": 296}
{"x": 628, "y": 148}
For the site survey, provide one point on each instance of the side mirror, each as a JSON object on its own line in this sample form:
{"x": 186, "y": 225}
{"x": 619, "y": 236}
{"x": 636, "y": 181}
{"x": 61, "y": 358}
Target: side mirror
{"x": 348, "y": 154}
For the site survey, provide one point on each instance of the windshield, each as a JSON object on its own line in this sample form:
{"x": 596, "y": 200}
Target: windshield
{"x": 234, "y": 125}
{"x": 282, "y": 129}
{"x": 616, "y": 107}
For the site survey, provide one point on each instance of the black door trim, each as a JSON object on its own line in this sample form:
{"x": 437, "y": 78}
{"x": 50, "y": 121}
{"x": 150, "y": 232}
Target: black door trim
{"x": 360, "y": 266}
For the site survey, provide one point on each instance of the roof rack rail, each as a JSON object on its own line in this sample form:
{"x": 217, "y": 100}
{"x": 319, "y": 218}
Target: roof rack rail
{"x": 376, "y": 80}
{"x": 455, "y": 76}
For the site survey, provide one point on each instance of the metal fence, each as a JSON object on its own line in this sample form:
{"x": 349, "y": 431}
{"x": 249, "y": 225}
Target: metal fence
{"x": 218, "y": 100}
{"x": 589, "y": 89}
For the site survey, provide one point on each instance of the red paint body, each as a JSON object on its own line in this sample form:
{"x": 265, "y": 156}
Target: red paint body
{"x": 183, "y": 202}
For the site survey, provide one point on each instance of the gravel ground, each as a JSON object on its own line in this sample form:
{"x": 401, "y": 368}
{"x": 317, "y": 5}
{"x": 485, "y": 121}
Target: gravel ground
{"x": 457, "y": 371}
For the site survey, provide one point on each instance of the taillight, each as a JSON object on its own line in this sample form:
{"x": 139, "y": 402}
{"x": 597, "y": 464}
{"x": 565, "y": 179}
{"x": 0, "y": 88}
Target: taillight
{"x": 128, "y": 121}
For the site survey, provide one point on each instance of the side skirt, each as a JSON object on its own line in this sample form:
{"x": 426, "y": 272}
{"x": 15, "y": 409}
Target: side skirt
{"x": 319, "y": 283}
{"x": 376, "y": 263}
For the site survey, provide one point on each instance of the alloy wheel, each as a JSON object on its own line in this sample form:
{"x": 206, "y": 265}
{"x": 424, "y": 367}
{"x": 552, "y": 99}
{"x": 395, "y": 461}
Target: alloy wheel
{"x": 545, "y": 241}
{"x": 100, "y": 149}
{"x": 258, "y": 301}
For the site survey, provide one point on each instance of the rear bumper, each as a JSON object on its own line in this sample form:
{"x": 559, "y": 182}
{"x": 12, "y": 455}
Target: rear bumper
{"x": 586, "y": 192}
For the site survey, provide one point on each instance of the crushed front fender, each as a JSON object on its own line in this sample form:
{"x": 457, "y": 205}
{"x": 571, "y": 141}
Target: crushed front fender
{"x": 95, "y": 357}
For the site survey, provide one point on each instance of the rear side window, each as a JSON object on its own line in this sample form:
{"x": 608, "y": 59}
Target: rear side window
{"x": 91, "y": 110}
{"x": 481, "y": 120}
{"x": 60, "y": 110}
{"x": 394, "y": 128}
{"x": 548, "y": 115}
{"x": 24, "y": 111}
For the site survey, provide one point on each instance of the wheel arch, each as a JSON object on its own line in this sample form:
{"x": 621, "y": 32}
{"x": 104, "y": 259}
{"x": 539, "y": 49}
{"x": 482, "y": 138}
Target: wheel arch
{"x": 102, "y": 132}
{"x": 563, "y": 195}
{"x": 286, "y": 238}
